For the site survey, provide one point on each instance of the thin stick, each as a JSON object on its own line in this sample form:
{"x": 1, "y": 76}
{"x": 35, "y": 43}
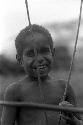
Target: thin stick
{"x": 72, "y": 61}
{"x": 75, "y": 47}
{"x": 41, "y": 92}
{"x": 26, "y": 2}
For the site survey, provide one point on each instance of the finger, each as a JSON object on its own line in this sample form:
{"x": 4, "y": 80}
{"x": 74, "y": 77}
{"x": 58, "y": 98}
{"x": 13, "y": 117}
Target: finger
{"x": 65, "y": 103}
{"x": 64, "y": 117}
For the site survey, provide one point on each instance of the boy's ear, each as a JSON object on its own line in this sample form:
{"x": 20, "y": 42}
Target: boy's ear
{"x": 19, "y": 59}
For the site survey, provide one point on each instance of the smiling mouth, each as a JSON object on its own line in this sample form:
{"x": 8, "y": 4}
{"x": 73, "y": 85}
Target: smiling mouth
{"x": 41, "y": 69}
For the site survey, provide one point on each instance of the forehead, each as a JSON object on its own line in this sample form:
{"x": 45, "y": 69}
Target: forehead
{"x": 36, "y": 40}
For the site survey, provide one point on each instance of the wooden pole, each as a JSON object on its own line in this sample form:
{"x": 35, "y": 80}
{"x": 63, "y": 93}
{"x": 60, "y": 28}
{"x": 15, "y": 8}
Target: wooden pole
{"x": 37, "y": 106}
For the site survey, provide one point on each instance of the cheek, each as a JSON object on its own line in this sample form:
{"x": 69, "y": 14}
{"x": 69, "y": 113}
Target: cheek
{"x": 27, "y": 61}
{"x": 49, "y": 58}
{"x": 27, "y": 64}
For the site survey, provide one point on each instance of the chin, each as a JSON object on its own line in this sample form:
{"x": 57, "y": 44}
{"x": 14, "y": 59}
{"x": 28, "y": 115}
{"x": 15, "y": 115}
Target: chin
{"x": 41, "y": 72}
{"x": 40, "y": 75}
{"x": 34, "y": 76}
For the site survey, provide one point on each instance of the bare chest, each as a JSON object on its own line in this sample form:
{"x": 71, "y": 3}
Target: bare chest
{"x": 46, "y": 93}
{"x": 49, "y": 94}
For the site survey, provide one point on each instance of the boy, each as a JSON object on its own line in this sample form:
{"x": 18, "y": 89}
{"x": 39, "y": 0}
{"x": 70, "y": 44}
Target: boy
{"x": 35, "y": 53}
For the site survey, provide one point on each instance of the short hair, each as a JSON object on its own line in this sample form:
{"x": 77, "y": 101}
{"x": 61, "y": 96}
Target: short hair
{"x": 19, "y": 41}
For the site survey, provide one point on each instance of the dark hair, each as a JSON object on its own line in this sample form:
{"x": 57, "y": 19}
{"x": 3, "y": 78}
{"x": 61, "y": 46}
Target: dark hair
{"x": 19, "y": 41}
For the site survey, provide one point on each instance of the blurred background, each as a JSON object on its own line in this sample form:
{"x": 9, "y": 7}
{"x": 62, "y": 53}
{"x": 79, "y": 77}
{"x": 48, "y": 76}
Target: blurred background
{"x": 60, "y": 17}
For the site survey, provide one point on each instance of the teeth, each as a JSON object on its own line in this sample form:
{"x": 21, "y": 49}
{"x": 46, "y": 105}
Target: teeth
{"x": 41, "y": 67}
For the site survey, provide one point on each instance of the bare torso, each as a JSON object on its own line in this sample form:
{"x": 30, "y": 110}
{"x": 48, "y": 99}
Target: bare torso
{"x": 29, "y": 91}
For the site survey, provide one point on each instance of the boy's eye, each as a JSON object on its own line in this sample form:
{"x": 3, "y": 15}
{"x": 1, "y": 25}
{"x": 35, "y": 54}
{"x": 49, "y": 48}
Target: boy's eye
{"x": 44, "y": 50}
{"x": 30, "y": 53}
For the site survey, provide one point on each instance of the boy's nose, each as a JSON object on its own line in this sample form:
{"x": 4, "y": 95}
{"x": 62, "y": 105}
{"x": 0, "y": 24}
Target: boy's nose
{"x": 40, "y": 59}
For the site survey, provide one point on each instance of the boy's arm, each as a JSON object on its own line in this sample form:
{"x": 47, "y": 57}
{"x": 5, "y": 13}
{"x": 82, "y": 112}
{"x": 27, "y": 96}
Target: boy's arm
{"x": 71, "y": 98}
{"x": 70, "y": 118}
{"x": 9, "y": 113}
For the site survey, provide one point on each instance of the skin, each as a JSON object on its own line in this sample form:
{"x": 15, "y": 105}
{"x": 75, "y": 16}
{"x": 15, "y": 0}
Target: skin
{"x": 28, "y": 89}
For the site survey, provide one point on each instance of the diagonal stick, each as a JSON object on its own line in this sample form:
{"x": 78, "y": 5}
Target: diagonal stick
{"x": 75, "y": 47}
{"x": 27, "y": 8}
{"x": 41, "y": 92}
{"x": 73, "y": 57}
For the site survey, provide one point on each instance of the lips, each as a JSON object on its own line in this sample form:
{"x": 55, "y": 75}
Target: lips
{"x": 40, "y": 68}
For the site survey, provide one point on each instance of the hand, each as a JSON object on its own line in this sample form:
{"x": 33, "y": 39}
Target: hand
{"x": 69, "y": 117}
{"x": 65, "y": 103}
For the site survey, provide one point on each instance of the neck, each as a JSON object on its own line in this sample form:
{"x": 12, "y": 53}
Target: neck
{"x": 41, "y": 79}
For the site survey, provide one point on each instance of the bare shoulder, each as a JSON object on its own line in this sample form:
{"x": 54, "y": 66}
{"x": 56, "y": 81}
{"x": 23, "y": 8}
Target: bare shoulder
{"x": 13, "y": 91}
{"x": 61, "y": 82}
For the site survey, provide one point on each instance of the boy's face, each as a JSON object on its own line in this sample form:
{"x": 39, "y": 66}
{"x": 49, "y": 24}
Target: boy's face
{"x": 37, "y": 55}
